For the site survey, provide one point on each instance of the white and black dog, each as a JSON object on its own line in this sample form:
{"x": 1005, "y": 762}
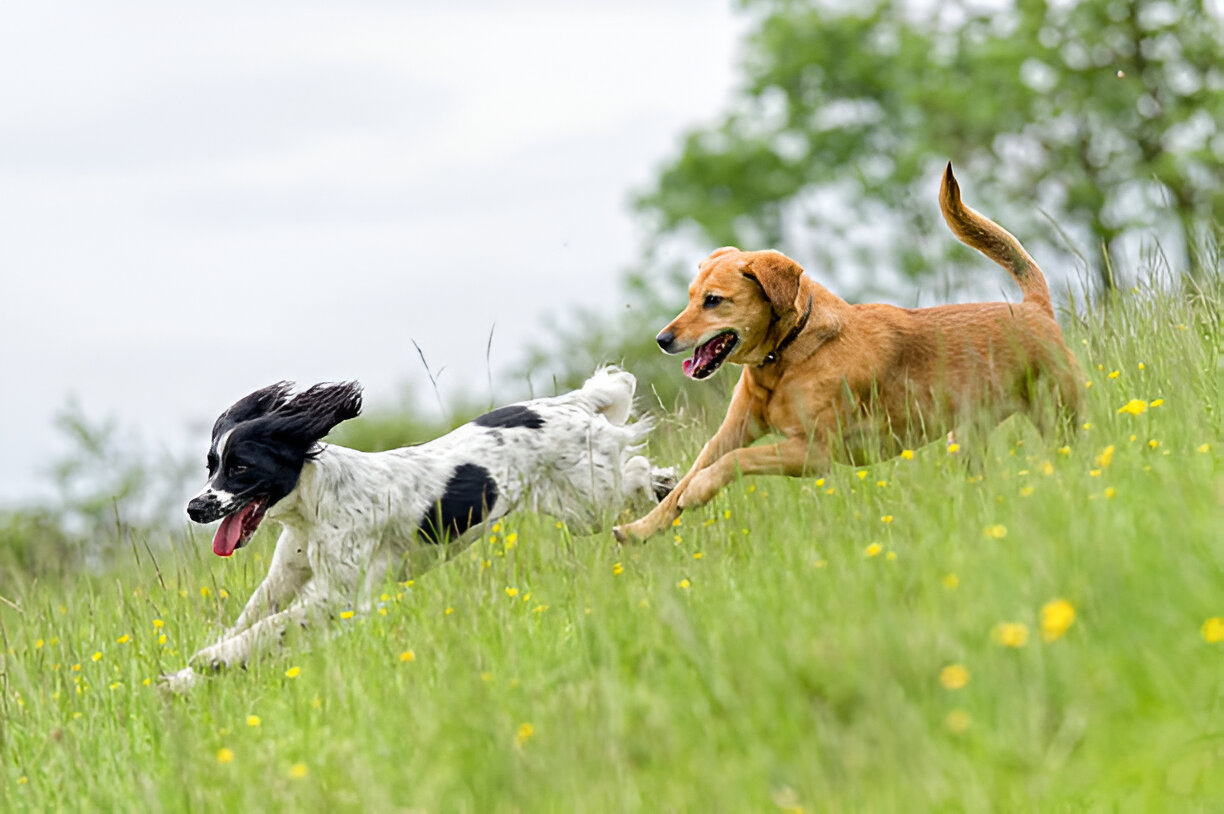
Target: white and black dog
{"x": 349, "y": 516}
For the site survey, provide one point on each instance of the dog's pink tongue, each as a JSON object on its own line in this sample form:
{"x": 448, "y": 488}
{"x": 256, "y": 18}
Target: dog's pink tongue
{"x": 687, "y": 367}
{"x": 230, "y": 532}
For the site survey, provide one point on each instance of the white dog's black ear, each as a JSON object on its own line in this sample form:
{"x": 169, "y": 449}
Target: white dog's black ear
{"x": 257, "y": 404}
{"x": 312, "y": 414}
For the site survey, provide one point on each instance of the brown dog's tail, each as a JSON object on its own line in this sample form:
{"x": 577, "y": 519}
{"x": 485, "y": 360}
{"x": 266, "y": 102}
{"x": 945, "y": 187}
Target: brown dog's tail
{"x": 992, "y": 240}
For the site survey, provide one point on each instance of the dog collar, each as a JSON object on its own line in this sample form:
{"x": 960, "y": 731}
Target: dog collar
{"x": 790, "y": 337}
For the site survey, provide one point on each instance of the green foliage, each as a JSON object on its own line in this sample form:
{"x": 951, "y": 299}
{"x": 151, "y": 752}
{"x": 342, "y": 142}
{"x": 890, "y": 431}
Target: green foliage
{"x": 1106, "y": 113}
{"x": 786, "y": 647}
{"x": 109, "y": 490}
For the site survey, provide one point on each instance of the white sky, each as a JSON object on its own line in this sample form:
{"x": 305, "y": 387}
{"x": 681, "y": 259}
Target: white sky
{"x": 199, "y": 201}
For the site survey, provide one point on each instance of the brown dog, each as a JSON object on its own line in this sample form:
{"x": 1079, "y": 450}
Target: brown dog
{"x": 856, "y": 383}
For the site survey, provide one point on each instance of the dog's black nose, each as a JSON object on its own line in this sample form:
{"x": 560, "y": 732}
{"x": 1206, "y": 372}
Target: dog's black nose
{"x": 202, "y": 509}
{"x": 666, "y": 339}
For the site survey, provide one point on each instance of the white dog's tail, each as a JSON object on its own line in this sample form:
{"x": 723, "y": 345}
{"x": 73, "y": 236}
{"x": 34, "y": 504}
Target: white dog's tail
{"x": 610, "y": 391}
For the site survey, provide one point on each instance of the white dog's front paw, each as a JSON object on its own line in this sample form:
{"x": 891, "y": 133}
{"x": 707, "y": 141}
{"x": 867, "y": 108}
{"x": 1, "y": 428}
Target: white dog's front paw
{"x": 180, "y": 682}
{"x": 212, "y": 659}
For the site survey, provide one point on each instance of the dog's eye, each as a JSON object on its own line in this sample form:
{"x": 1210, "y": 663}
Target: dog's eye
{"x": 712, "y": 300}
{"x": 236, "y": 469}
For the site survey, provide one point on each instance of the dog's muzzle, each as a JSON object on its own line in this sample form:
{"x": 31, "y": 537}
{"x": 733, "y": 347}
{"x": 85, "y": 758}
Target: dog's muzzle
{"x": 667, "y": 341}
{"x": 206, "y": 508}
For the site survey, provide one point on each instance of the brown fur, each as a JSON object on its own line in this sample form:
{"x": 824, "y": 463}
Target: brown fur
{"x": 861, "y": 381}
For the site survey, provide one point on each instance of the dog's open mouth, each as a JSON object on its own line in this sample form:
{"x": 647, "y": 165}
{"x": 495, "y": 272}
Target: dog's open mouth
{"x": 236, "y": 528}
{"x": 709, "y": 356}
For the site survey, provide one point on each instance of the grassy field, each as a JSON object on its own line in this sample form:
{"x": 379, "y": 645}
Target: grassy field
{"x": 1026, "y": 626}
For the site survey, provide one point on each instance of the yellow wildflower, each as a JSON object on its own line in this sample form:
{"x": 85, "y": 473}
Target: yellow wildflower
{"x": 1113, "y": 374}
{"x": 684, "y": 584}
{"x": 1134, "y": 407}
{"x": 1056, "y": 616}
{"x": 1213, "y": 630}
{"x": 293, "y": 672}
{"x": 97, "y": 656}
{"x": 954, "y": 676}
{"x": 298, "y": 770}
{"x": 1110, "y": 492}
{"x": 888, "y": 518}
{"x": 225, "y": 755}
{"x": 873, "y": 549}
{"x": 957, "y": 721}
{"x": 950, "y": 581}
{"x": 124, "y": 639}
{"x": 157, "y": 623}
{"x": 1010, "y": 634}
{"x": 348, "y": 614}
{"x": 907, "y": 454}
{"x": 204, "y": 591}
{"x": 1153, "y": 443}
{"x": 525, "y": 731}
{"x": 617, "y": 569}
{"x": 996, "y": 532}
{"x": 953, "y": 448}
{"x": 253, "y": 720}
{"x": 1106, "y": 457}
{"x": 407, "y": 655}
{"x": 511, "y": 592}
{"x": 1204, "y": 447}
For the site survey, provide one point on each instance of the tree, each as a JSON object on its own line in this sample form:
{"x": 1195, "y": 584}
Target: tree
{"x": 1107, "y": 114}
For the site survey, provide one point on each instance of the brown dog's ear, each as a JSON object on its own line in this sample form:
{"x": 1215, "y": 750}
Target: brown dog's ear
{"x": 778, "y": 276}
{"x": 717, "y": 253}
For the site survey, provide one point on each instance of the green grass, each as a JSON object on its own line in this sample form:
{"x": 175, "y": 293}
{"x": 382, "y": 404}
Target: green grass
{"x": 757, "y": 659}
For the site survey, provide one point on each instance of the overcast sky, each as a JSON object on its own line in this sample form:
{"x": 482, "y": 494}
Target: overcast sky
{"x": 198, "y": 201}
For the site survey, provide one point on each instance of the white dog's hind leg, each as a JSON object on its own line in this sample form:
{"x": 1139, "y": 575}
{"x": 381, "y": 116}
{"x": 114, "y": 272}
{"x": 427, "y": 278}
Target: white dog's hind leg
{"x": 641, "y": 479}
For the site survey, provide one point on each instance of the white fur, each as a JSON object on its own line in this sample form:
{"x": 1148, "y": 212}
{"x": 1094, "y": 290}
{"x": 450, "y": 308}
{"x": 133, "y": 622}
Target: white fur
{"x": 353, "y": 514}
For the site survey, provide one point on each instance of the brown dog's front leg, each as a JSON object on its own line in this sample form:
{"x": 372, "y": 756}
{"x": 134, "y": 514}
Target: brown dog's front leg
{"x": 738, "y": 428}
{"x": 794, "y": 457}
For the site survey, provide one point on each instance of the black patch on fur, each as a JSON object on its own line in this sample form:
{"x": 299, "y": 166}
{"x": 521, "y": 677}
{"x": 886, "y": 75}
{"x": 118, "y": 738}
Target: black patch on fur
{"x": 516, "y": 415}
{"x": 468, "y": 496}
